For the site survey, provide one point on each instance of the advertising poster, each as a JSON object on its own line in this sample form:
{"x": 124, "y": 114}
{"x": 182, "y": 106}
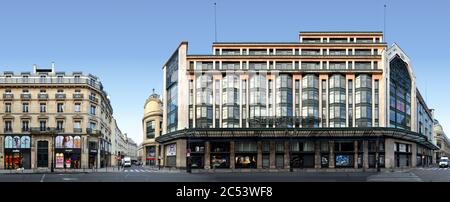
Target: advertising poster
{"x": 77, "y": 142}
{"x": 59, "y": 142}
{"x": 68, "y": 142}
{"x": 59, "y": 160}
{"x": 172, "y": 150}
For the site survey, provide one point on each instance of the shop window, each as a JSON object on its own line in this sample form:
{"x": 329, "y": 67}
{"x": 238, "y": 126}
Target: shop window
{"x": 279, "y": 160}
{"x": 265, "y": 161}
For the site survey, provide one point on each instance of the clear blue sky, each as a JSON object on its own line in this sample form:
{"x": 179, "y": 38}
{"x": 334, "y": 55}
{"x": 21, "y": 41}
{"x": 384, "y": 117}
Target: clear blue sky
{"x": 125, "y": 43}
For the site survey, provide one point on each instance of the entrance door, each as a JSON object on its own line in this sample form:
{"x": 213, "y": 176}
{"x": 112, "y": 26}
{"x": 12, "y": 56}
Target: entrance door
{"x": 42, "y": 154}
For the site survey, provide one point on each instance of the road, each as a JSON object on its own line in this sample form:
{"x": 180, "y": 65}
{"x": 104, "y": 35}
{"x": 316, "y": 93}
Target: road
{"x": 138, "y": 174}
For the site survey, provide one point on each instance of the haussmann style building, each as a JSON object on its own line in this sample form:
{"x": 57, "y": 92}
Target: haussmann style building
{"x": 48, "y": 116}
{"x": 331, "y": 100}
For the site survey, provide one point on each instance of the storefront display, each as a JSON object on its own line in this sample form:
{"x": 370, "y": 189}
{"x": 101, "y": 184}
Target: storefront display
{"x": 17, "y": 152}
{"x": 245, "y": 161}
{"x": 344, "y": 160}
{"x": 68, "y": 152}
{"x": 220, "y": 161}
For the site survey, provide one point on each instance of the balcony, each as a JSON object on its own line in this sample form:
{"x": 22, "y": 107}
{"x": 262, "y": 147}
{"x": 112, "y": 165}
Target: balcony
{"x": 60, "y": 130}
{"x": 60, "y": 96}
{"x": 77, "y": 96}
{"x": 7, "y": 130}
{"x": 40, "y": 130}
{"x": 8, "y": 96}
{"x": 93, "y": 99}
{"x": 94, "y": 132}
{"x": 25, "y": 96}
{"x": 77, "y": 130}
{"x": 43, "y": 96}
{"x": 26, "y": 130}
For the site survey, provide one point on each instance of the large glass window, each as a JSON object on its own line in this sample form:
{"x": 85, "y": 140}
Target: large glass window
{"x": 230, "y": 103}
{"x": 172, "y": 93}
{"x": 400, "y": 97}
{"x": 284, "y": 100}
{"x": 150, "y": 129}
{"x": 310, "y": 100}
{"x": 363, "y": 104}
{"x": 204, "y": 116}
{"x": 257, "y": 99}
{"x": 337, "y": 101}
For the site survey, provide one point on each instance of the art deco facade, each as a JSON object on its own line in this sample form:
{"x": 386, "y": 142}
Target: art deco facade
{"x": 152, "y": 122}
{"x": 49, "y": 115}
{"x": 331, "y": 100}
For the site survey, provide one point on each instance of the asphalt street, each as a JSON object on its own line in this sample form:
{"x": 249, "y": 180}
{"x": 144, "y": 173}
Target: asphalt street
{"x": 138, "y": 174}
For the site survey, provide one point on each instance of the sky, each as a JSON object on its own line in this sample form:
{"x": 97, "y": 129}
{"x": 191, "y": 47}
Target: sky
{"x": 125, "y": 43}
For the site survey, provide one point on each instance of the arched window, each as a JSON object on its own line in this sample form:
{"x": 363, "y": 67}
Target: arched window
{"x": 400, "y": 94}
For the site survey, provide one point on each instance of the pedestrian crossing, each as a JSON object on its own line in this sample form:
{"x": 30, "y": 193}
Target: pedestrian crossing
{"x": 435, "y": 169}
{"x": 138, "y": 171}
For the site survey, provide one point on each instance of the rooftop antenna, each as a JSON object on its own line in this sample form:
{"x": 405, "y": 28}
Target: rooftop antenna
{"x": 384, "y": 23}
{"x": 215, "y": 22}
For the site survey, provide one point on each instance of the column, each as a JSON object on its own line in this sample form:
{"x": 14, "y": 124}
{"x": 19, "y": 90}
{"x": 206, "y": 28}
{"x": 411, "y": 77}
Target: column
{"x": 207, "y": 158}
{"x": 389, "y": 153}
{"x": 331, "y": 161}
{"x": 2, "y": 153}
{"x": 317, "y": 163}
{"x": 413, "y": 161}
{"x": 287, "y": 157}
{"x": 355, "y": 161}
{"x": 33, "y": 154}
{"x": 272, "y": 155}
{"x": 84, "y": 152}
{"x": 232, "y": 155}
{"x": 366, "y": 154}
{"x": 259, "y": 157}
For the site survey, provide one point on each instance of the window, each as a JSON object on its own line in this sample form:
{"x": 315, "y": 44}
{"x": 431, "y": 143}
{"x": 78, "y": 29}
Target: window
{"x": 43, "y": 125}
{"x": 150, "y": 129}
{"x": 59, "y": 125}
{"x": 284, "y": 99}
{"x": 310, "y": 100}
{"x": 8, "y": 126}
{"x": 7, "y": 107}
{"x": 337, "y": 101}
{"x": 363, "y": 104}
{"x": 77, "y": 107}
{"x": 93, "y": 109}
{"x": 25, "y": 125}
{"x": 77, "y": 126}
{"x": 25, "y": 107}
{"x": 230, "y": 101}
{"x": 92, "y": 125}
{"x": 400, "y": 98}
{"x": 60, "y": 107}
{"x": 43, "y": 107}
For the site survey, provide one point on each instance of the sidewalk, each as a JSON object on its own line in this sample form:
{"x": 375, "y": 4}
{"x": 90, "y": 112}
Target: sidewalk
{"x": 90, "y": 170}
{"x": 397, "y": 176}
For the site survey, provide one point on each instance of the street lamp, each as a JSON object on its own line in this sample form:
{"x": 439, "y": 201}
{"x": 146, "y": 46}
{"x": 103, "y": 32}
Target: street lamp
{"x": 188, "y": 152}
{"x": 52, "y": 133}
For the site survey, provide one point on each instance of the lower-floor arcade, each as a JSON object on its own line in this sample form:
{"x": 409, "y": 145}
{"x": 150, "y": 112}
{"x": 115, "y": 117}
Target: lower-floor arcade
{"x": 284, "y": 150}
{"x": 65, "y": 151}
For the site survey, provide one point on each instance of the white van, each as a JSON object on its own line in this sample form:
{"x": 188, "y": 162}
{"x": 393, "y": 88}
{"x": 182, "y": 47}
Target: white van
{"x": 127, "y": 162}
{"x": 443, "y": 162}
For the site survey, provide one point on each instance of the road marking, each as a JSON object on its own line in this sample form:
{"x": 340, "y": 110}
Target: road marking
{"x": 131, "y": 170}
{"x": 126, "y": 170}
{"x": 70, "y": 179}
{"x": 42, "y": 178}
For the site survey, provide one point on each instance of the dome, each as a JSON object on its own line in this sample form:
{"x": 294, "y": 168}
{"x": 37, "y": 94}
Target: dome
{"x": 438, "y": 129}
{"x": 152, "y": 104}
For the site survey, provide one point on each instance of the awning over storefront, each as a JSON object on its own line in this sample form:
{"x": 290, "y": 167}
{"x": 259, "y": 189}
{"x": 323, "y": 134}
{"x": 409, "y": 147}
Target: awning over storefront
{"x": 296, "y": 133}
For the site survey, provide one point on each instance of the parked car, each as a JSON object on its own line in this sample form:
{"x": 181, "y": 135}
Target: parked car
{"x": 443, "y": 162}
